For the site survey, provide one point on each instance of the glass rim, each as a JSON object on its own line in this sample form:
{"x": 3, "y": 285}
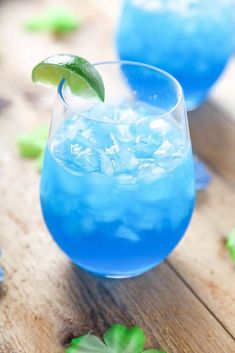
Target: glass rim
{"x": 180, "y": 95}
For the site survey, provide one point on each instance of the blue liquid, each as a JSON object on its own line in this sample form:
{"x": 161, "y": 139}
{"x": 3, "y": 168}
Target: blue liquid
{"x": 118, "y": 198}
{"x": 192, "y": 40}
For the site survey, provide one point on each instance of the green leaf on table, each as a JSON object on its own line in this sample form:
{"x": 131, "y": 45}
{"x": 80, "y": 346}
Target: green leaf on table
{"x": 117, "y": 339}
{"x": 33, "y": 145}
{"x": 55, "y": 20}
{"x": 29, "y": 146}
{"x": 87, "y": 344}
{"x": 120, "y": 339}
{"x": 230, "y": 244}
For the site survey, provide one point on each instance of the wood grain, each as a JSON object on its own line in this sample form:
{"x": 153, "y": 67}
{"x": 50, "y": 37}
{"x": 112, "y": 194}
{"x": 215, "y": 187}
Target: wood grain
{"x": 186, "y": 305}
{"x": 200, "y": 258}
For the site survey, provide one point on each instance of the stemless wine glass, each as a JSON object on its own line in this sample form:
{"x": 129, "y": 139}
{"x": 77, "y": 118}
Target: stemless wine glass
{"x": 191, "y": 39}
{"x": 117, "y": 187}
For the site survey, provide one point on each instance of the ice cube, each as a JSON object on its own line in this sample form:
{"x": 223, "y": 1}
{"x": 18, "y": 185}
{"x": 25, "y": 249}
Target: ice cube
{"x": 165, "y": 149}
{"x": 160, "y": 126}
{"x": 101, "y": 134}
{"x": 62, "y": 204}
{"x": 140, "y": 216}
{"x": 166, "y": 155}
{"x": 127, "y": 233}
{"x": 124, "y": 161}
{"x": 111, "y": 214}
{"x": 71, "y": 184}
{"x": 149, "y": 171}
{"x": 127, "y": 180}
{"x": 104, "y": 198}
{"x": 148, "y": 139}
{"x": 72, "y": 126}
{"x": 85, "y": 137}
{"x": 106, "y": 165}
{"x": 86, "y": 133}
{"x": 60, "y": 149}
{"x": 99, "y": 183}
{"x": 87, "y": 225}
{"x": 87, "y": 159}
{"x": 125, "y": 133}
{"x": 127, "y": 115}
{"x": 98, "y": 201}
{"x": 153, "y": 189}
{"x": 128, "y": 160}
{"x": 144, "y": 148}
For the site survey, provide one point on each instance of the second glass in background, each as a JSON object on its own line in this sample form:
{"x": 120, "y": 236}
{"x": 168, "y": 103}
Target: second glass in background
{"x": 190, "y": 39}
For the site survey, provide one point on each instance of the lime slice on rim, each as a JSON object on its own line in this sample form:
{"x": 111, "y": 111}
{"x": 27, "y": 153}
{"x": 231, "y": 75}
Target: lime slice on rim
{"x": 81, "y": 76}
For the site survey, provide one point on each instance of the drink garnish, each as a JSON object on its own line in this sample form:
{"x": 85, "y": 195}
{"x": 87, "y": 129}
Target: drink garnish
{"x": 82, "y": 77}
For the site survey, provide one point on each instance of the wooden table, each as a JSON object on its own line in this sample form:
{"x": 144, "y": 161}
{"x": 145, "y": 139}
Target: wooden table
{"x": 186, "y": 305}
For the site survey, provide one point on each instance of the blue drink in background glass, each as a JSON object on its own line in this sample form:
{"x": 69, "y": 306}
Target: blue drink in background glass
{"x": 191, "y": 39}
{"x": 117, "y": 187}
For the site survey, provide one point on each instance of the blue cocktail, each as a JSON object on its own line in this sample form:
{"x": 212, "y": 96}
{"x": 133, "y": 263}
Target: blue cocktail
{"x": 191, "y": 39}
{"x": 117, "y": 188}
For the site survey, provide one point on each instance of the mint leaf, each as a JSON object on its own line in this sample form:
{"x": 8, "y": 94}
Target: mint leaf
{"x": 55, "y": 20}
{"x": 121, "y": 339}
{"x": 33, "y": 145}
{"x": 117, "y": 339}
{"x": 230, "y": 244}
{"x": 29, "y": 146}
{"x": 87, "y": 344}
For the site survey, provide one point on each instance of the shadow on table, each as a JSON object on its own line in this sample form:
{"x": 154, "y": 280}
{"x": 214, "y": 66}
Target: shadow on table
{"x": 155, "y": 301}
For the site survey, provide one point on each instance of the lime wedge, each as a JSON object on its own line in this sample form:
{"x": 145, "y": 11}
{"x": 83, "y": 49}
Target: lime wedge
{"x": 81, "y": 76}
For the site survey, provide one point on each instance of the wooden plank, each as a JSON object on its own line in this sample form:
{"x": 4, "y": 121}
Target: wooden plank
{"x": 212, "y": 130}
{"x": 201, "y": 258}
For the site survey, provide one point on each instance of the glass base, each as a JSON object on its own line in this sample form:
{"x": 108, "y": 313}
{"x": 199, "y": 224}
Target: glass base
{"x": 117, "y": 275}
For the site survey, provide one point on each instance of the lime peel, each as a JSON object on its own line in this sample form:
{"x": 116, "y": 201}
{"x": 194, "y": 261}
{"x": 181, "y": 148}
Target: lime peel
{"x": 81, "y": 76}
